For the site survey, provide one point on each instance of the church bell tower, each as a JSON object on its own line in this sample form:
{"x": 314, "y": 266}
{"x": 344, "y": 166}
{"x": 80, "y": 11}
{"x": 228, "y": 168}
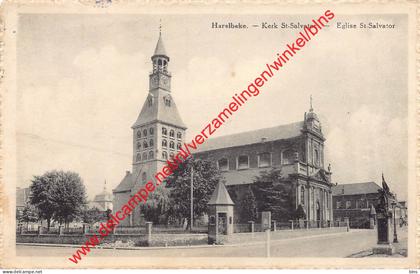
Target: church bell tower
{"x": 159, "y": 130}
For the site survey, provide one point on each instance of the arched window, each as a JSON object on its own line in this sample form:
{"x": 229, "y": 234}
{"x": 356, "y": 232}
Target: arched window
{"x": 179, "y": 135}
{"x": 138, "y": 145}
{"x": 167, "y": 102}
{"x": 172, "y": 145}
{"x": 165, "y": 155}
{"x": 139, "y": 134}
{"x": 151, "y": 142}
{"x": 151, "y": 156}
{"x": 145, "y": 144}
{"x": 144, "y": 132}
{"x": 143, "y": 177}
{"x": 151, "y": 131}
{"x": 138, "y": 157}
{"x": 164, "y": 143}
{"x": 264, "y": 159}
{"x": 242, "y": 162}
{"x": 171, "y": 155}
{"x": 164, "y": 131}
{"x": 144, "y": 156}
{"x": 172, "y": 133}
{"x": 302, "y": 195}
{"x": 288, "y": 157}
{"x": 160, "y": 62}
{"x": 178, "y": 146}
{"x": 223, "y": 164}
{"x": 316, "y": 155}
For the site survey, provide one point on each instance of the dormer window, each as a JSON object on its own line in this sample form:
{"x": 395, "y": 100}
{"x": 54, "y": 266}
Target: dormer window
{"x": 179, "y": 135}
{"x": 172, "y": 145}
{"x": 172, "y": 133}
{"x": 164, "y": 131}
{"x": 164, "y": 143}
{"x": 223, "y": 164}
{"x": 242, "y": 162}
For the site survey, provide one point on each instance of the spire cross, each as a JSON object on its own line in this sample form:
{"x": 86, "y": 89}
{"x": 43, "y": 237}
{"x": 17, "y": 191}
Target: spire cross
{"x": 311, "y": 109}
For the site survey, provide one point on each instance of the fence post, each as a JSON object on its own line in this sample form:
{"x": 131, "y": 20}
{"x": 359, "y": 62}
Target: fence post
{"x": 39, "y": 230}
{"x": 60, "y": 230}
{"x": 274, "y": 225}
{"x": 149, "y": 232}
{"x": 346, "y": 219}
{"x": 85, "y": 229}
{"x": 251, "y": 226}
{"x": 292, "y": 224}
{"x": 307, "y": 224}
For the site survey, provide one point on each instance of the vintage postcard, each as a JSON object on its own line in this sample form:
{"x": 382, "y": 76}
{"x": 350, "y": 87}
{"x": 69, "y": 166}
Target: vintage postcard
{"x": 208, "y": 135}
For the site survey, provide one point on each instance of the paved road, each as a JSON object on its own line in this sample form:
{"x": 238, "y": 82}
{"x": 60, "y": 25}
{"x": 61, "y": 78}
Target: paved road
{"x": 335, "y": 245}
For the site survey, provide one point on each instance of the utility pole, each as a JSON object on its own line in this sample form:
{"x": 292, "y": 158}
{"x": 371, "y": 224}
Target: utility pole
{"x": 191, "y": 198}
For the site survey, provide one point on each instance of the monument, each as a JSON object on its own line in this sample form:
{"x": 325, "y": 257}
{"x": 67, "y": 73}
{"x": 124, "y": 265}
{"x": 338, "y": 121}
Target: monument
{"x": 220, "y": 215}
{"x": 383, "y": 217}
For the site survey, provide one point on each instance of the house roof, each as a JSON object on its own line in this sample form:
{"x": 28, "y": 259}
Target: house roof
{"x": 158, "y": 111}
{"x": 252, "y": 137}
{"x": 126, "y": 184}
{"x": 220, "y": 196}
{"x": 354, "y": 189}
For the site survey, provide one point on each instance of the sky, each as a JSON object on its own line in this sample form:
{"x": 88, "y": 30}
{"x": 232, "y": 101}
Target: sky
{"x": 82, "y": 80}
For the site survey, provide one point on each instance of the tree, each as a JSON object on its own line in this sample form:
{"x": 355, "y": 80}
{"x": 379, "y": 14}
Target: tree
{"x": 28, "y": 215}
{"x": 247, "y": 207}
{"x": 273, "y": 194}
{"x": 58, "y": 195}
{"x": 92, "y": 215}
{"x": 205, "y": 178}
{"x": 300, "y": 213}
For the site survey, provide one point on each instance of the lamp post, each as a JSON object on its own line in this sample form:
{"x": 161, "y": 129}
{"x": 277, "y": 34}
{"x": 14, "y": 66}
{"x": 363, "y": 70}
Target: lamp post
{"x": 395, "y": 227}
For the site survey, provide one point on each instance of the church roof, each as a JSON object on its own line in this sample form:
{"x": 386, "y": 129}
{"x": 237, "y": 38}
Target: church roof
{"x": 159, "y": 111}
{"x": 242, "y": 177}
{"x": 220, "y": 196}
{"x": 126, "y": 184}
{"x": 160, "y": 48}
{"x": 355, "y": 189}
{"x": 252, "y": 137}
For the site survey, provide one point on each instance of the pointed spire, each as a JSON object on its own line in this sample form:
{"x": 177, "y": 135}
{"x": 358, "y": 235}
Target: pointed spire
{"x": 160, "y": 48}
{"x": 105, "y": 185}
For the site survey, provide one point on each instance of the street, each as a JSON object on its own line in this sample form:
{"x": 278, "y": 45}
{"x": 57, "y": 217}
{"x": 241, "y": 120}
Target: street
{"x": 330, "y": 245}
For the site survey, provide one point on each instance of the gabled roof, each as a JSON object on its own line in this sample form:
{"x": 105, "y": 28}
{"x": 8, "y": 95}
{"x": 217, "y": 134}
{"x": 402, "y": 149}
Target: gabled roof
{"x": 126, "y": 184}
{"x": 354, "y": 189}
{"x": 252, "y": 137}
{"x": 160, "y": 48}
{"x": 159, "y": 111}
{"x": 220, "y": 196}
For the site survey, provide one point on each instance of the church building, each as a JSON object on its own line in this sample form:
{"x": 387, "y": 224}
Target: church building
{"x": 296, "y": 148}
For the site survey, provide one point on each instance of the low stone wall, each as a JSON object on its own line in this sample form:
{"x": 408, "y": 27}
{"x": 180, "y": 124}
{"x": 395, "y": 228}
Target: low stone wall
{"x": 178, "y": 239}
{"x": 277, "y": 235}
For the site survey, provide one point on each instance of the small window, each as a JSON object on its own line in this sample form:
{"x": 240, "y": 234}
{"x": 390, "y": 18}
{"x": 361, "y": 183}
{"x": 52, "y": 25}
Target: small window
{"x": 172, "y": 155}
{"x": 138, "y": 145}
{"x": 138, "y": 157}
{"x": 178, "y": 146}
{"x": 172, "y": 133}
{"x": 164, "y": 131}
{"x": 316, "y": 157}
{"x": 144, "y": 156}
{"x": 223, "y": 164}
{"x": 151, "y": 131}
{"x": 179, "y": 135}
{"x": 264, "y": 160}
{"x": 338, "y": 205}
{"x": 139, "y": 134}
{"x": 144, "y": 132}
{"x": 151, "y": 142}
{"x": 243, "y": 162}
{"x": 149, "y": 101}
{"x": 145, "y": 144}
{"x": 144, "y": 177}
{"x": 151, "y": 156}
{"x": 164, "y": 143}
{"x": 172, "y": 145}
{"x": 348, "y": 204}
{"x": 165, "y": 155}
{"x": 167, "y": 102}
